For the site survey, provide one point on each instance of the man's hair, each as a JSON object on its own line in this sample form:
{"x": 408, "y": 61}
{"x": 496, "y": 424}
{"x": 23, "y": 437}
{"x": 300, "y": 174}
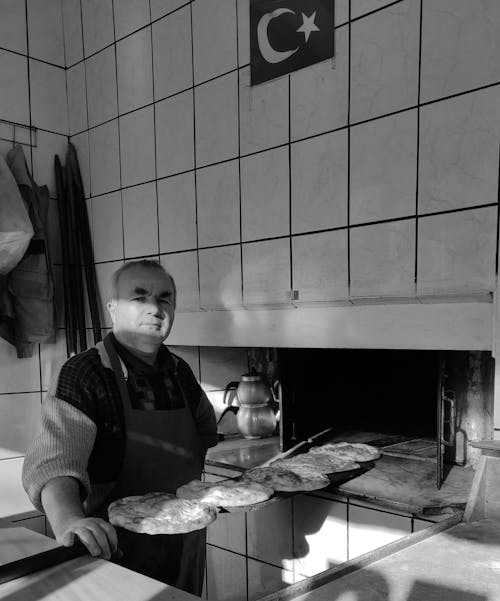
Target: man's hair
{"x": 145, "y": 264}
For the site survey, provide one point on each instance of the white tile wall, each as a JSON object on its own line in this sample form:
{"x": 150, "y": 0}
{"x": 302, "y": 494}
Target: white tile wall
{"x": 216, "y": 107}
{"x": 184, "y": 269}
{"x": 77, "y": 99}
{"x": 226, "y": 575}
{"x": 19, "y": 417}
{"x": 129, "y": 16}
{"x": 107, "y": 227}
{"x": 98, "y": 30}
{"x": 13, "y": 25}
{"x": 177, "y": 212}
{"x": 218, "y": 204}
{"x": 140, "y": 220}
{"x": 137, "y": 147}
{"x": 45, "y": 30}
{"x": 265, "y": 208}
{"x": 104, "y": 158}
{"x": 73, "y": 34}
{"x": 264, "y": 579}
{"x": 214, "y": 38}
{"x": 101, "y": 86}
{"x": 134, "y": 71}
{"x": 172, "y": 53}
{"x": 269, "y": 535}
{"x": 384, "y": 61}
{"x": 220, "y": 277}
{"x": 14, "y": 100}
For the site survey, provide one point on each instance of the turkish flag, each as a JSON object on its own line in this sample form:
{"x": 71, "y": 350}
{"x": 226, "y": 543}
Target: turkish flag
{"x": 286, "y": 35}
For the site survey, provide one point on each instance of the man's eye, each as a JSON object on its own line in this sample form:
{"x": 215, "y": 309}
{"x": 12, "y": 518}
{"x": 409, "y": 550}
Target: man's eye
{"x": 140, "y": 299}
{"x": 166, "y": 301}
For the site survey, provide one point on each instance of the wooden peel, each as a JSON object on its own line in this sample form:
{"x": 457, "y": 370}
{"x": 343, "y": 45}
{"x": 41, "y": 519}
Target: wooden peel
{"x": 295, "y": 448}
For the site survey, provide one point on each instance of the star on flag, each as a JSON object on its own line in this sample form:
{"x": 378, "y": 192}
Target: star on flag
{"x": 308, "y": 25}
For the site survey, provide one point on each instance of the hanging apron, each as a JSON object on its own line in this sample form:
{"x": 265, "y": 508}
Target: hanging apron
{"x": 162, "y": 451}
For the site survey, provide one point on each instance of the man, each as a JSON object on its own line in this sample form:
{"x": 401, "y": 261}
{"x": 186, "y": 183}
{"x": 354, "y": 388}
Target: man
{"x": 123, "y": 418}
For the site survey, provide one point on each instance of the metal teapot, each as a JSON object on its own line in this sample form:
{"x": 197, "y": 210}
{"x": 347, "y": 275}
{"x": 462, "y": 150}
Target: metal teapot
{"x": 255, "y": 416}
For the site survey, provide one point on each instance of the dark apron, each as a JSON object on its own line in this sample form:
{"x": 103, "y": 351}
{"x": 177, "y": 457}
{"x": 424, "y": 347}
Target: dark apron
{"x": 162, "y": 452}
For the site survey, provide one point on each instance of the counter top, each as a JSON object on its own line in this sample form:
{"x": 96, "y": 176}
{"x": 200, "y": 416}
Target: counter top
{"x": 82, "y": 578}
{"x": 240, "y": 454}
{"x": 461, "y": 563}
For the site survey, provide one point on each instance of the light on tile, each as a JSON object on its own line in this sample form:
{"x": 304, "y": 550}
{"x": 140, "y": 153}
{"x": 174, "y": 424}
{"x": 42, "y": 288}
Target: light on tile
{"x": 101, "y": 86}
{"x": 104, "y": 158}
{"x": 175, "y": 134}
{"x": 137, "y": 150}
{"x": 220, "y": 277}
{"x": 177, "y": 212}
{"x": 184, "y": 270}
{"x": 140, "y": 225}
{"x": 134, "y": 71}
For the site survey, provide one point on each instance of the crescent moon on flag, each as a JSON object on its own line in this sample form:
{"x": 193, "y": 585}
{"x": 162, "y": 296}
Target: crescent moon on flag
{"x": 268, "y": 52}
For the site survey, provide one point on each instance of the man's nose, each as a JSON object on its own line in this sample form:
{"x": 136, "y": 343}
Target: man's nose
{"x": 155, "y": 307}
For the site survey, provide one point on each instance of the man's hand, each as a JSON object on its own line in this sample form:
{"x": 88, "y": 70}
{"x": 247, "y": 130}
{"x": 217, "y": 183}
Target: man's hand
{"x": 96, "y": 534}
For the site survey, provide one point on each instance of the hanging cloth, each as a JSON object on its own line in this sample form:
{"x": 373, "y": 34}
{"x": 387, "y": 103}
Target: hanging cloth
{"x": 30, "y": 284}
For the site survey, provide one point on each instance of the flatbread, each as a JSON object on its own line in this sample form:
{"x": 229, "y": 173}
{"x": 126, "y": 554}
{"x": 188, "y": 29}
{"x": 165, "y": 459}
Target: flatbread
{"x": 160, "y": 513}
{"x": 353, "y": 451}
{"x": 227, "y": 493}
{"x": 323, "y": 463}
{"x": 285, "y": 480}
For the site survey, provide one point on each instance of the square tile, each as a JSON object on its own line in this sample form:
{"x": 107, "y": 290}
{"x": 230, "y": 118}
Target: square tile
{"x": 384, "y": 61}
{"x": 14, "y": 102}
{"x": 72, "y": 27}
{"x": 17, "y": 375}
{"x": 107, "y": 230}
{"x": 269, "y": 533}
{"x": 81, "y": 143}
{"x": 49, "y": 104}
{"x": 319, "y": 182}
{"x": 159, "y": 8}
{"x": 320, "y": 266}
{"x": 263, "y": 113}
{"x": 341, "y": 12}
{"x": 216, "y": 106}
{"x": 456, "y": 251}
{"x": 77, "y": 99}
{"x": 129, "y": 16}
{"x": 459, "y": 151}
{"x": 172, "y": 53}
{"x": 174, "y": 134}
{"x": 384, "y": 168}
{"x": 14, "y": 502}
{"x": 320, "y": 534}
{"x": 177, "y": 212}
{"x": 140, "y": 223}
{"x": 264, "y": 579}
{"x": 53, "y": 354}
{"x": 226, "y": 575}
{"x": 214, "y": 38}
{"x": 266, "y": 272}
{"x": 48, "y": 145}
{"x": 220, "y": 277}
{"x": 13, "y": 26}
{"x": 45, "y": 31}
{"x": 134, "y": 71}
{"x": 218, "y": 201}
{"x": 190, "y": 354}
{"x": 369, "y": 529}
{"x": 98, "y": 30}
{"x": 319, "y": 94}
{"x": 243, "y": 9}
{"x": 361, "y": 7}
{"x": 219, "y": 366}
{"x": 19, "y": 418}
{"x": 101, "y": 86}
{"x": 104, "y": 158}
{"x": 265, "y": 194}
{"x": 228, "y": 532}
{"x": 184, "y": 270}
{"x": 104, "y": 273}
{"x": 460, "y": 47}
{"x": 383, "y": 259}
{"x": 137, "y": 146}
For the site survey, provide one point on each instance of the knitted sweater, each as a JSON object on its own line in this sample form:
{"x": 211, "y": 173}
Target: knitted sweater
{"x": 82, "y": 433}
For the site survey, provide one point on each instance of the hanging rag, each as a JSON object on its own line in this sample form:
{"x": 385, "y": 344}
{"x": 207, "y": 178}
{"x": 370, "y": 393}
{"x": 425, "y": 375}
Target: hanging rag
{"x": 30, "y": 285}
{"x": 16, "y": 230}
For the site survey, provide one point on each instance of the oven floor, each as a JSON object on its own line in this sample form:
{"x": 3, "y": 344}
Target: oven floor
{"x": 396, "y": 445}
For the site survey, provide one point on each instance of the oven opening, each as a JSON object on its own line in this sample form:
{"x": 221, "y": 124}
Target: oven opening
{"x": 403, "y": 401}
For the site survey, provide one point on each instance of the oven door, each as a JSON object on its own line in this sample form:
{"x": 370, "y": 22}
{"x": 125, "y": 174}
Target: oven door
{"x": 446, "y": 420}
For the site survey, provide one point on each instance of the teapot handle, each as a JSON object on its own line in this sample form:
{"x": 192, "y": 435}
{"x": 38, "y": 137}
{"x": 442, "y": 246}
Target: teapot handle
{"x": 227, "y": 389}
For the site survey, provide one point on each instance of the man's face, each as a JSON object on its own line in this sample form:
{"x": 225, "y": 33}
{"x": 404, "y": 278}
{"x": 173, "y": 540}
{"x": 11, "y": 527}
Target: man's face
{"x": 145, "y": 305}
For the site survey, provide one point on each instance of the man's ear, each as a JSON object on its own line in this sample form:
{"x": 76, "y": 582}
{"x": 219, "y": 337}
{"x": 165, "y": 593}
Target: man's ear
{"x": 111, "y": 307}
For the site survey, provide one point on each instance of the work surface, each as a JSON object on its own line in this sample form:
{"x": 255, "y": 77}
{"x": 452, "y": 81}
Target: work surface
{"x": 459, "y": 564}
{"x": 81, "y": 579}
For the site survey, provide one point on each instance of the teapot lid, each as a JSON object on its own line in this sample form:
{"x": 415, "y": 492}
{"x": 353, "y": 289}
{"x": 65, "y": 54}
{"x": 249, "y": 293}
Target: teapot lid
{"x": 255, "y": 377}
